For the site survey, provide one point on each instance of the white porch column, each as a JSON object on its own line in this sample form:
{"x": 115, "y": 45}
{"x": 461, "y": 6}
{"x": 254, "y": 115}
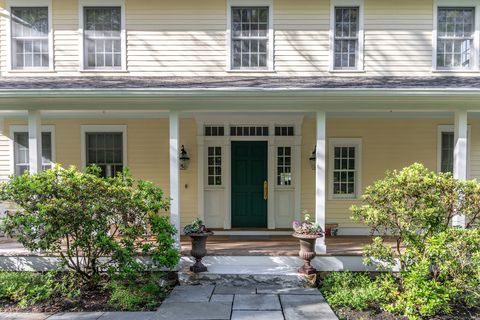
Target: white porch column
{"x": 34, "y": 141}
{"x": 320, "y": 178}
{"x": 460, "y": 159}
{"x": 174, "y": 136}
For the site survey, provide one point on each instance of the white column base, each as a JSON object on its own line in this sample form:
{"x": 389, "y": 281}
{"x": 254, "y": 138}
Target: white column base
{"x": 320, "y": 247}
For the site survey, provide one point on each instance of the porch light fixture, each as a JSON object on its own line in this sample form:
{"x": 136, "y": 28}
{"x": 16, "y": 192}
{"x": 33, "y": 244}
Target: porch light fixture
{"x": 184, "y": 159}
{"x": 313, "y": 159}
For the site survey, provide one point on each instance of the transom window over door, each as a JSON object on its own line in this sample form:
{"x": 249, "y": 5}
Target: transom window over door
{"x": 29, "y": 37}
{"x": 250, "y": 37}
{"x": 346, "y": 37}
{"x": 21, "y": 151}
{"x": 455, "y": 37}
{"x": 102, "y": 37}
{"x": 105, "y": 149}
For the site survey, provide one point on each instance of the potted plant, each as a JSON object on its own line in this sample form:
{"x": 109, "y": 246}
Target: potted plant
{"x": 199, "y": 234}
{"x": 307, "y": 232}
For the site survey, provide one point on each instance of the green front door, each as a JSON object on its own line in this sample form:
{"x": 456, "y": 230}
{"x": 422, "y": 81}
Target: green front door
{"x": 249, "y": 173}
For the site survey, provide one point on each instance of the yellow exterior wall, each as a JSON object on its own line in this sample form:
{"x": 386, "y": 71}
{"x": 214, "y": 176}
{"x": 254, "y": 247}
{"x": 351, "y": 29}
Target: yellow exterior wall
{"x": 188, "y": 38}
{"x": 147, "y": 152}
{"x": 387, "y": 144}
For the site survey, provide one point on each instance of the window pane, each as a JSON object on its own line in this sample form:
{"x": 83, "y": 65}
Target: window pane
{"x": 249, "y": 37}
{"x": 102, "y": 37}
{"x": 105, "y": 149}
{"x": 346, "y": 37}
{"x": 214, "y": 169}
{"x": 30, "y": 37}
{"x": 344, "y": 170}
{"x": 21, "y": 156}
{"x": 447, "y": 149}
{"x": 455, "y": 32}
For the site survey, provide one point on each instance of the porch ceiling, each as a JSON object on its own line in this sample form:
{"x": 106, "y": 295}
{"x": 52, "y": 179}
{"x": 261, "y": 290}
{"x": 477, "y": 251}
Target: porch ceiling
{"x": 300, "y": 94}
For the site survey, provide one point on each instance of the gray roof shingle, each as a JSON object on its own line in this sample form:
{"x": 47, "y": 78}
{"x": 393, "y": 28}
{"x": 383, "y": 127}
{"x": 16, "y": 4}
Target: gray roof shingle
{"x": 131, "y": 82}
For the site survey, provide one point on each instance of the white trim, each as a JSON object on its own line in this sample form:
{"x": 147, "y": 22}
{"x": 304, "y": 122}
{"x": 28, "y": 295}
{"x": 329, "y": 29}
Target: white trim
{"x": 51, "y": 52}
{"x": 24, "y": 128}
{"x": 226, "y": 121}
{"x": 360, "y": 55}
{"x": 345, "y": 142}
{"x": 123, "y": 33}
{"x": 476, "y": 37}
{"x": 174, "y": 169}
{"x": 320, "y": 167}
{"x": 103, "y": 128}
{"x": 271, "y": 37}
{"x": 451, "y": 128}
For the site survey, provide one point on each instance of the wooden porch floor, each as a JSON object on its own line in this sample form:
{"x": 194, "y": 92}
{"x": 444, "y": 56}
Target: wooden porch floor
{"x": 276, "y": 245}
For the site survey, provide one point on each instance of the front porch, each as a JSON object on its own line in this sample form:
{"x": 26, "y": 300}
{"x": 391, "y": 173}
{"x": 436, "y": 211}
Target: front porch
{"x": 234, "y": 245}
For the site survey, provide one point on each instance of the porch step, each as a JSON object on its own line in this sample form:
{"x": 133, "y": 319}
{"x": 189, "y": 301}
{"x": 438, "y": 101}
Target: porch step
{"x": 260, "y": 270}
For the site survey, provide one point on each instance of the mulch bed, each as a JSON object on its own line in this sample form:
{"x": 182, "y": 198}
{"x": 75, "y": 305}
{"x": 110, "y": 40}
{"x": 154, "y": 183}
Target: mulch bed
{"x": 459, "y": 313}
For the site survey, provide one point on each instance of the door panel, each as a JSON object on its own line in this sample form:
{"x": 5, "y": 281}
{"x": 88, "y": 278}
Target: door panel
{"x": 249, "y": 171}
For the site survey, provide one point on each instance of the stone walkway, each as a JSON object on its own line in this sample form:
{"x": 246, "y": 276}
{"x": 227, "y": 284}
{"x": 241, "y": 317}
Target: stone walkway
{"x": 244, "y": 303}
{"x": 209, "y": 302}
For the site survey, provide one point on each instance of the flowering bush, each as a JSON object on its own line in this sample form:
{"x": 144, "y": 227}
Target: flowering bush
{"x": 307, "y": 227}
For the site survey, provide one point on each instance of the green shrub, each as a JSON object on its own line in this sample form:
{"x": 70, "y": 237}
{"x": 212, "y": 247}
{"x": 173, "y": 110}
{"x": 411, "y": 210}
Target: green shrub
{"x": 28, "y": 288}
{"x": 439, "y": 265}
{"x": 355, "y": 290}
{"x": 132, "y": 295}
{"x": 93, "y": 217}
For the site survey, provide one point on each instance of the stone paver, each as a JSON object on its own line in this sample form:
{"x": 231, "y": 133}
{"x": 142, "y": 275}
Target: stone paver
{"x": 129, "y": 316}
{"x": 23, "y": 316}
{"x": 283, "y": 290}
{"x": 194, "y": 311}
{"x": 256, "y": 302}
{"x": 76, "y": 316}
{"x": 257, "y": 315}
{"x": 190, "y": 294}
{"x": 234, "y": 290}
{"x": 224, "y": 298}
{"x": 306, "y": 307}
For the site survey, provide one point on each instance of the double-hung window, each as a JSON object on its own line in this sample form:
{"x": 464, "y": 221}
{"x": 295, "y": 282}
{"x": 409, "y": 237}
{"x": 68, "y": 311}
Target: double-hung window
{"x": 21, "y": 149}
{"x": 345, "y": 156}
{"x": 455, "y": 37}
{"x": 102, "y": 37}
{"x": 105, "y": 150}
{"x": 347, "y": 35}
{"x": 30, "y": 47}
{"x": 250, "y": 38}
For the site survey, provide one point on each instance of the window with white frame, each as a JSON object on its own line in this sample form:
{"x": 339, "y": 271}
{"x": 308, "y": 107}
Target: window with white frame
{"x": 446, "y": 151}
{"x": 284, "y": 166}
{"x": 21, "y": 151}
{"x": 30, "y": 37}
{"x": 214, "y": 166}
{"x": 446, "y": 148}
{"x": 345, "y": 168}
{"x": 249, "y": 37}
{"x": 105, "y": 150}
{"x": 102, "y": 37}
{"x": 346, "y": 37}
{"x": 455, "y": 37}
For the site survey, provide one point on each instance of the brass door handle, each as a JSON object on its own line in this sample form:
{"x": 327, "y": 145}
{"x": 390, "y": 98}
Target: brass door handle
{"x": 265, "y": 190}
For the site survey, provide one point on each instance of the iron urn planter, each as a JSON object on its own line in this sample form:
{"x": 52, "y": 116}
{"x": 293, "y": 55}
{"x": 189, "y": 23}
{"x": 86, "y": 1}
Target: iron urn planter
{"x": 199, "y": 250}
{"x": 307, "y": 252}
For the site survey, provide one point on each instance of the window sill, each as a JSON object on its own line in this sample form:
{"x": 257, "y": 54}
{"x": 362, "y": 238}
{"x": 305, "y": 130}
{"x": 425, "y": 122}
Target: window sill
{"x": 346, "y": 71}
{"x": 250, "y": 71}
{"x": 455, "y": 71}
{"x": 331, "y": 198}
{"x": 95, "y": 71}
{"x": 20, "y": 71}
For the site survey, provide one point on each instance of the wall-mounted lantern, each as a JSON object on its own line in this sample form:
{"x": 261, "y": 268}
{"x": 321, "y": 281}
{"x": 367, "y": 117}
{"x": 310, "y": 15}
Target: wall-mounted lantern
{"x": 184, "y": 159}
{"x": 313, "y": 159}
